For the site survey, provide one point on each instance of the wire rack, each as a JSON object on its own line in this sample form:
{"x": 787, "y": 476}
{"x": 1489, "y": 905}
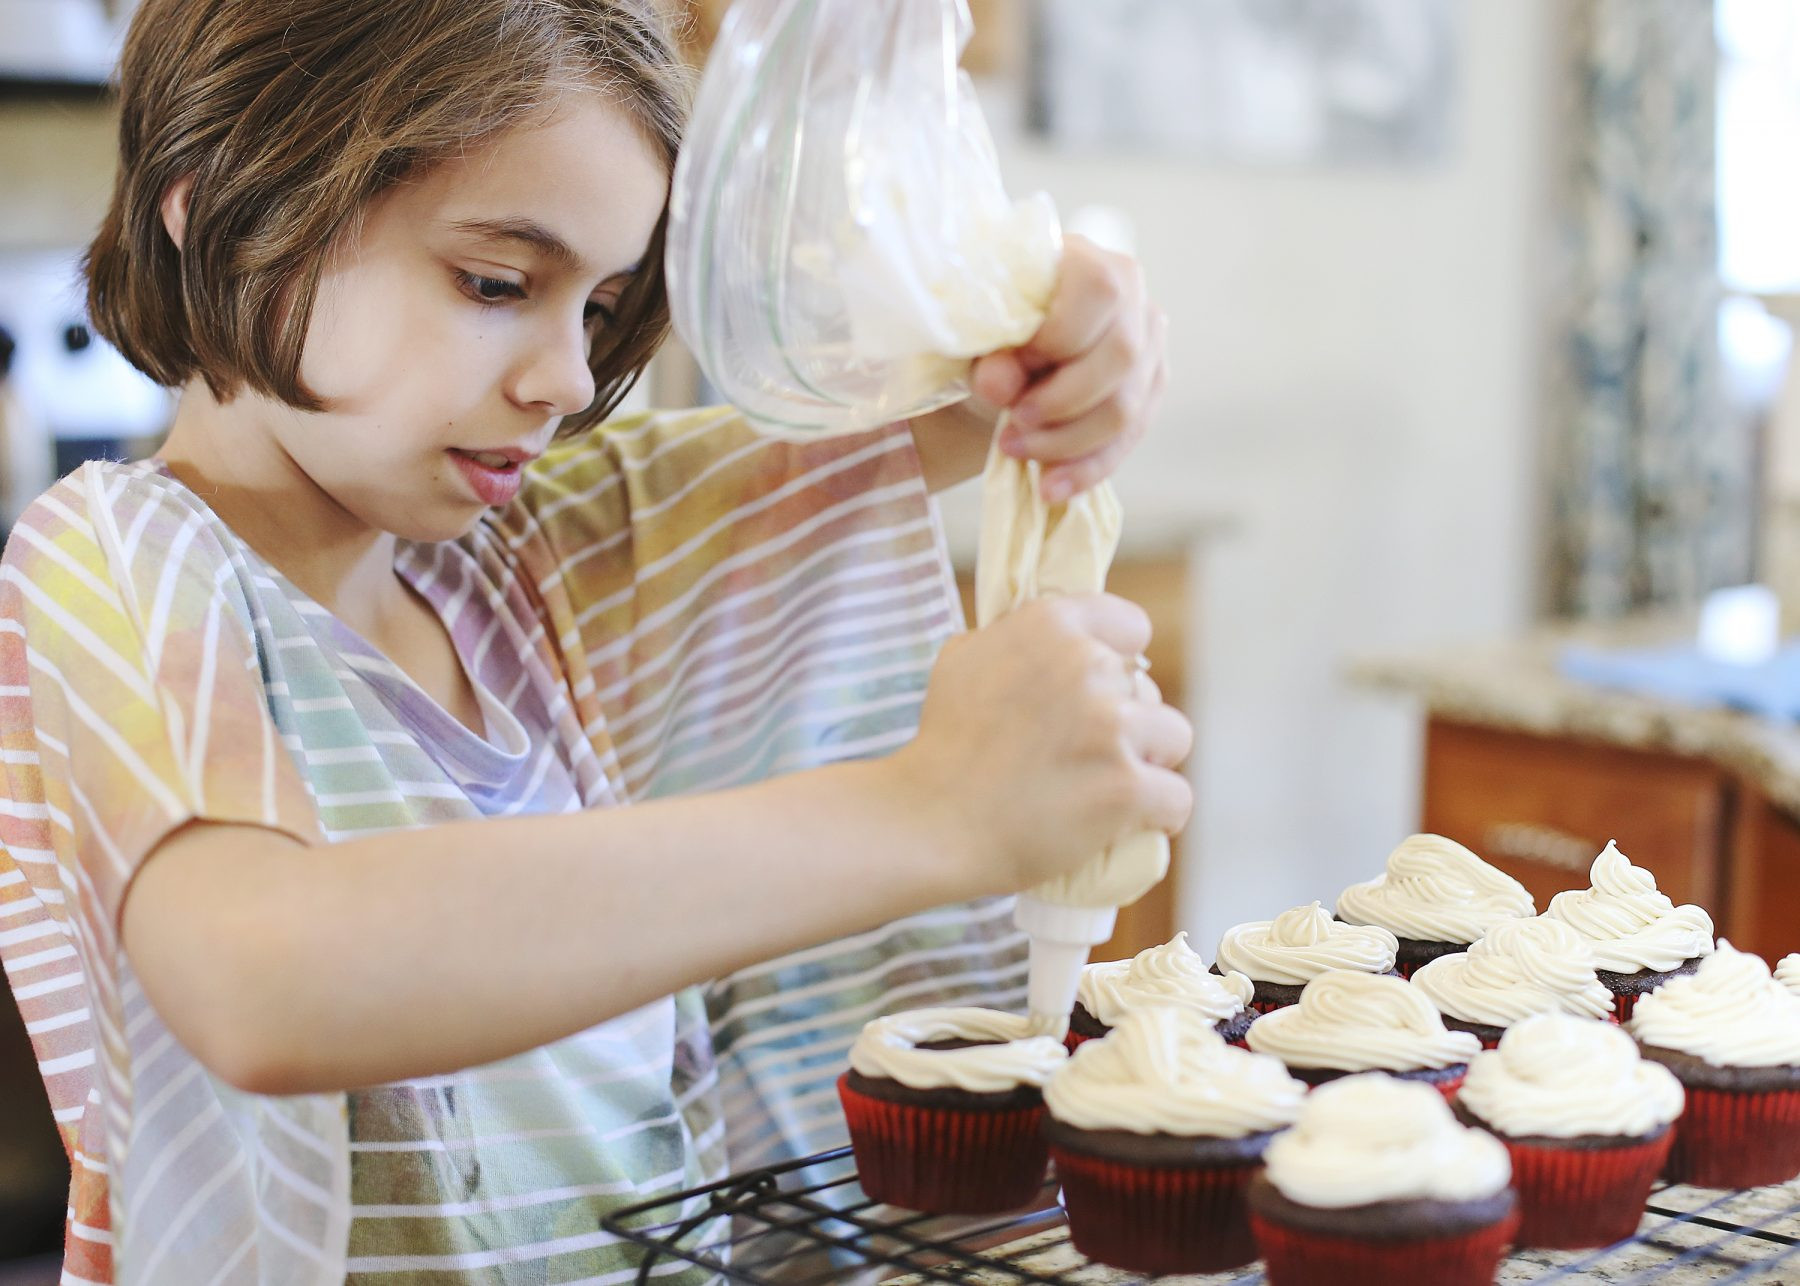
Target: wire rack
{"x": 807, "y": 1222}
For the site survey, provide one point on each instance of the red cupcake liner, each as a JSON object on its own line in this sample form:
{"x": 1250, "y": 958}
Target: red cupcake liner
{"x": 1266, "y": 1006}
{"x": 1575, "y": 1198}
{"x": 1158, "y": 1219}
{"x": 1622, "y": 1007}
{"x": 1296, "y": 1257}
{"x": 1736, "y": 1138}
{"x": 945, "y": 1160}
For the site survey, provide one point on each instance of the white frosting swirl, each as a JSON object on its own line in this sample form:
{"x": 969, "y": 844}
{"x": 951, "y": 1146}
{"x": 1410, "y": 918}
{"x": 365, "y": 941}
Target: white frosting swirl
{"x": 1559, "y": 1076}
{"x": 1632, "y": 925}
{"x": 889, "y": 1047}
{"x": 1436, "y": 890}
{"x": 1519, "y": 968}
{"x": 1360, "y": 1022}
{"x": 1171, "y": 974}
{"x": 1165, "y": 1071}
{"x": 1300, "y": 944}
{"x": 1730, "y": 1012}
{"x": 1787, "y": 973}
{"x": 1370, "y": 1138}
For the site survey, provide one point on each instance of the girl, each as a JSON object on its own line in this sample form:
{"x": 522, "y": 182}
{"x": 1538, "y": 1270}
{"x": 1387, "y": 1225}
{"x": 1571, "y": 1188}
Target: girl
{"x": 391, "y": 762}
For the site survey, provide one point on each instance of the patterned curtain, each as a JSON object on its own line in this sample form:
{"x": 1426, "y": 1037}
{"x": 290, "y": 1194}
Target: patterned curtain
{"x": 1652, "y": 475}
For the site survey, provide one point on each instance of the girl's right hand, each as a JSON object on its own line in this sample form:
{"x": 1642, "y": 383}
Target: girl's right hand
{"x": 1045, "y": 741}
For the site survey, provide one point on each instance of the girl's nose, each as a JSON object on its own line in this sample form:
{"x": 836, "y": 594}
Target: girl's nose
{"x": 553, "y": 373}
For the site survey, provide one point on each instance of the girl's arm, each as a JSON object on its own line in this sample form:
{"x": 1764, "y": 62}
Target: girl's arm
{"x": 288, "y": 969}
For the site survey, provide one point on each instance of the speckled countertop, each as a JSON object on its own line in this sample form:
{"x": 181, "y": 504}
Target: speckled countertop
{"x": 1666, "y": 1252}
{"x": 1516, "y": 686}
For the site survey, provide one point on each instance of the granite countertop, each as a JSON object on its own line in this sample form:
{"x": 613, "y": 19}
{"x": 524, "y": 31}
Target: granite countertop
{"x": 1666, "y": 1252}
{"x": 1515, "y": 685}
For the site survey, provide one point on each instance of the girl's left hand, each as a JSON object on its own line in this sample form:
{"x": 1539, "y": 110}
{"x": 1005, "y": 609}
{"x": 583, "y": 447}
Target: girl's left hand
{"x": 1080, "y": 393}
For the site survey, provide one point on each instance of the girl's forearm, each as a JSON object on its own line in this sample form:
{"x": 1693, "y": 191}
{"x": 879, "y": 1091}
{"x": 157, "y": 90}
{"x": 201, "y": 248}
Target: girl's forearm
{"x": 420, "y": 952}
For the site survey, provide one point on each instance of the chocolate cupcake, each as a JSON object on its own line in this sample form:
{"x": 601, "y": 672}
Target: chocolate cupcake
{"x": 1731, "y": 1035}
{"x": 1586, "y": 1121}
{"x": 1361, "y": 1022}
{"x": 1157, "y": 1130}
{"x": 1436, "y": 897}
{"x": 1282, "y": 955}
{"x": 946, "y": 1107}
{"x": 1377, "y": 1183}
{"x": 1167, "y": 975}
{"x": 1521, "y": 968}
{"x": 1640, "y": 938}
{"x": 1787, "y": 973}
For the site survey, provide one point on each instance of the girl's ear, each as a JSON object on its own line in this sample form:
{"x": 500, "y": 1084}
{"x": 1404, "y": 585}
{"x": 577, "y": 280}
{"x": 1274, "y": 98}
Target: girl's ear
{"x": 175, "y": 208}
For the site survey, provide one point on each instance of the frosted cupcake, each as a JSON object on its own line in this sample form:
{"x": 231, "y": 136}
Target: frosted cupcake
{"x": 1436, "y": 897}
{"x": 1171, "y": 974}
{"x": 1377, "y": 1183}
{"x": 946, "y": 1108}
{"x": 1731, "y": 1035}
{"x": 1641, "y": 939}
{"x": 1157, "y": 1131}
{"x": 1282, "y": 955}
{"x": 1521, "y": 968}
{"x": 1363, "y": 1022}
{"x": 1787, "y": 973}
{"x": 1586, "y": 1122}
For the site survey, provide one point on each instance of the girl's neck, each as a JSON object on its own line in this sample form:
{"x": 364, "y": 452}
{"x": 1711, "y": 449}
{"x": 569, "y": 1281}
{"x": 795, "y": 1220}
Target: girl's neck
{"x": 239, "y": 468}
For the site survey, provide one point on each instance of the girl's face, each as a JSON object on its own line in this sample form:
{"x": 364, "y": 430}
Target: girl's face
{"x": 452, "y": 334}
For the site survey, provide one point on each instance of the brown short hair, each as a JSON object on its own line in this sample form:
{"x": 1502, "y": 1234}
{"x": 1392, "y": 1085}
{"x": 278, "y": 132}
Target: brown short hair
{"x": 293, "y": 115}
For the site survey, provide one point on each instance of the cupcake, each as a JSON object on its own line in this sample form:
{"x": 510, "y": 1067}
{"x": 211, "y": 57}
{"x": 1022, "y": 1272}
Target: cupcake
{"x": 1787, "y": 973}
{"x": 1586, "y": 1122}
{"x": 1436, "y": 897}
{"x": 1640, "y": 938}
{"x": 946, "y": 1108}
{"x": 1157, "y": 1131}
{"x": 1167, "y": 975}
{"x": 1282, "y": 955}
{"x": 1378, "y": 1183}
{"x": 1365, "y": 1022}
{"x": 1522, "y": 967}
{"x": 1731, "y": 1035}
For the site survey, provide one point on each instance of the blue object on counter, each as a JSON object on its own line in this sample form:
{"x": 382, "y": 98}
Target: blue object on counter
{"x": 1682, "y": 673}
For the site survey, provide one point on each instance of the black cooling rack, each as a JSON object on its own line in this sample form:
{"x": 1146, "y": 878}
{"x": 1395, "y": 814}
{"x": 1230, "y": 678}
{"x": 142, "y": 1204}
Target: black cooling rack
{"x": 806, "y": 1222}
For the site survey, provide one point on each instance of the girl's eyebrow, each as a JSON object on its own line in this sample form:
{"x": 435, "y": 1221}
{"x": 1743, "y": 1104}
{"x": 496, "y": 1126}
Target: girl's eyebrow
{"x": 531, "y": 233}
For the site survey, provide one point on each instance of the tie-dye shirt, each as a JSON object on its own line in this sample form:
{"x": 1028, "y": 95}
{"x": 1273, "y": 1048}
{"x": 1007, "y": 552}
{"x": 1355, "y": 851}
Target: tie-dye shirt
{"x": 672, "y": 604}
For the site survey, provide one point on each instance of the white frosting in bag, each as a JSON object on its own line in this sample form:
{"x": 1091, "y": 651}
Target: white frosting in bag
{"x": 1372, "y": 1138}
{"x": 889, "y": 1047}
{"x": 1787, "y": 973}
{"x": 1520, "y": 968}
{"x": 1560, "y": 1076}
{"x": 1165, "y": 1071}
{"x": 1730, "y": 1012}
{"x": 1632, "y": 925}
{"x": 1360, "y": 1022}
{"x": 1300, "y": 944}
{"x": 1172, "y": 974}
{"x": 1435, "y": 890}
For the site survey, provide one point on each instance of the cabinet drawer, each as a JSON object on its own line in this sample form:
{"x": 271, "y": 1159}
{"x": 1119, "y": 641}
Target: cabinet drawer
{"x": 1541, "y": 808}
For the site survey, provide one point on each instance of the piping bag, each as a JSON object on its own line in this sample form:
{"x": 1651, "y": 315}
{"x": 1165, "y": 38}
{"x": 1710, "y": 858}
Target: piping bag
{"x": 840, "y": 248}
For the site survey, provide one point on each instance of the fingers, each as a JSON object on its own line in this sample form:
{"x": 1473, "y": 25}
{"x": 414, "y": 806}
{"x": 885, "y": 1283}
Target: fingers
{"x": 1118, "y": 623}
{"x": 1167, "y": 800}
{"x": 1160, "y": 735}
{"x": 1092, "y": 288}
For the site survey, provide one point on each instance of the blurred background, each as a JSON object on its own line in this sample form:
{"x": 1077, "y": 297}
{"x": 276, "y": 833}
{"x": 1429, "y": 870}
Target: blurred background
{"x": 1479, "y": 390}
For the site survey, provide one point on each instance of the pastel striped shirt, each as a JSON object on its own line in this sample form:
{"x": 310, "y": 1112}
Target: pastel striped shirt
{"x": 673, "y": 604}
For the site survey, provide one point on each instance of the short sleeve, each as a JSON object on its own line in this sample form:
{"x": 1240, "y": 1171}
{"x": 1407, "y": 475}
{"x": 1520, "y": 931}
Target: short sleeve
{"x": 128, "y": 623}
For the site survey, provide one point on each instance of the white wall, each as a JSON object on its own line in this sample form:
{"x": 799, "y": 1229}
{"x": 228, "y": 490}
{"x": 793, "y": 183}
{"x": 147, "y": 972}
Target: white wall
{"x": 1355, "y": 362}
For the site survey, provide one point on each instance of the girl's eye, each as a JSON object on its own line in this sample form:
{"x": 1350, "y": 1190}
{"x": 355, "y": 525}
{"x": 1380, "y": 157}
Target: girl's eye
{"x": 598, "y": 312}
{"x": 488, "y": 290}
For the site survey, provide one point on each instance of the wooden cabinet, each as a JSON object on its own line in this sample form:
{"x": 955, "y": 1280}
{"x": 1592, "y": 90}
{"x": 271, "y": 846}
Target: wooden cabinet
{"x": 1541, "y": 808}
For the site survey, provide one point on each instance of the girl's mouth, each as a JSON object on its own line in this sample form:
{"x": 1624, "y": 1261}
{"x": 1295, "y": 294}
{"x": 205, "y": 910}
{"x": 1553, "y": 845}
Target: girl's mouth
{"x": 494, "y": 476}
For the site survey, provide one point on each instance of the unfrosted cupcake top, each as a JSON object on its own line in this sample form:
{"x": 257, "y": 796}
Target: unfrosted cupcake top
{"x": 1519, "y": 968}
{"x": 1633, "y": 926}
{"x": 1436, "y": 890}
{"x": 1165, "y": 1071}
{"x": 1361, "y": 1022}
{"x": 889, "y": 1047}
{"x": 1371, "y": 1138}
{"x": 1787, "y": 973}
{"x": 1730, "y": 1012}
{"x": 1300, "y": 944}
{"x": 1560, "y": 1077}
{"x": 1171, "y": 974}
